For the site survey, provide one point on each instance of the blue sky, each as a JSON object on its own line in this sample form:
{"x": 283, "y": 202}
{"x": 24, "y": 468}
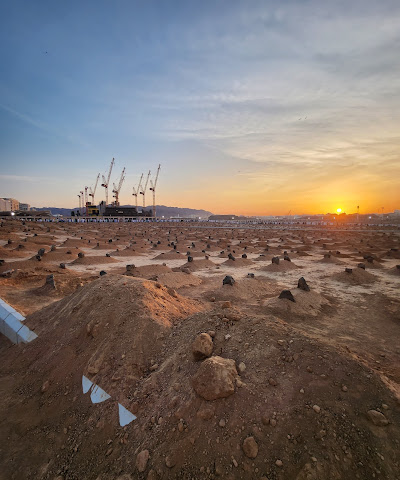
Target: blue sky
{"x": 250, "y": 107}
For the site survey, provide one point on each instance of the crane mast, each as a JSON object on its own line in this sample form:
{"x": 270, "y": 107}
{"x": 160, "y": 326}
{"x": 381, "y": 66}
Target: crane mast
{"x": 79, "y": 202}
{"x": 153, "y": 189}
{"x": 117, "y": 189}
{"x": 144, "y": 189}
{"x": 106, "y": 181}
{"x": 93, "y": 191}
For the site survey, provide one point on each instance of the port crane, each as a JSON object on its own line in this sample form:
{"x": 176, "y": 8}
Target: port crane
{"x": 117, "y": 188}
{"x": 137, "y": 190}
{"x": 143, "y": 192}
{"x": 153, "y": 189}
{"x": 106, "y": 181}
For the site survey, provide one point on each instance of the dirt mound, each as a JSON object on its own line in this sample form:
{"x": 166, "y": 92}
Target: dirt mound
{"x": 331, "y": 260}
{"x": 283, "y": 266}
{"x": 126, "y": 252}
{"x": 358, "y": 276}
{"x": 112, "y": 316}
{"x": 8, "y": 253}
{"x": 173, "y": 255}
{"x": 250, "y": 289}
{"x": 94, "y": 260}
{"x": 148, "y": 271}
{"x": 178, "y": 279}
{"x": 238, "y": 262}
{"x": 306, "y": 303}
{"x": 197, "y": 265}
{"x": 395, "y": 270}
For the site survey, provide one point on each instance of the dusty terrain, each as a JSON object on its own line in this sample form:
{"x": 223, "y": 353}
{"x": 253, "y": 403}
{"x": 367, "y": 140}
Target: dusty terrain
{"x": 226, "y": 380}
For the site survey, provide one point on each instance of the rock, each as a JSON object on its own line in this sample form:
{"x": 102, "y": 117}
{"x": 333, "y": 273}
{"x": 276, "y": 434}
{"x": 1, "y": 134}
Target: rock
{"x": 344, "y": 388}
{"x": 348, "y": 270}
{"x": 250, "y": 447}
{"x": 361, "y": 265}
{"x": 41, "y": 252}
{"x": 170, "y": 461}
{"x": 130, "y": 268}
{"x": 287, "y": 294}
{"x": 272, "y": 422}
{"x": 62, "y": 265}
{"x": 272, "y": 382}
{"x": 190, "y": 258}
{"x": 279, "y": 463}
{"x": 275, "y": 260}
{"x": 316, "y": 408}
{"x": 287, "y": 258}
{"x": 226, "y": 304}
{"x": 377, "y": 418}
{"x": 45, "y": 386}
{"x": 231, "y": 257}
{"x": 250, "y": 275}
{"x": 244, "y": 256}
{"x": 103, "y": 272}
{"x": 206, "y": 411}
{"x": 228, "y": 280}
{"x": 50, "y": 281}
{"x": 265, "y": 420}
{"x": 81, "y": 255}
{"x": 222, "y": 423}
{"x": 302, "y": 284}
{"x": 141, "y": 460}
{"x": 215, "y": 378}
{"x": 241, "y": 367}
{"x": 202, "y": 346}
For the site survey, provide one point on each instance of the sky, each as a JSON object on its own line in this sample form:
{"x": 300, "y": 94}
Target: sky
{"x": 251, "y": 107}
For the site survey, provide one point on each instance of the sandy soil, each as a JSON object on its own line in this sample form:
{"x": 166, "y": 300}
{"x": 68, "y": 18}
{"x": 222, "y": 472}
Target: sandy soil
{"x": 305, "y": 372}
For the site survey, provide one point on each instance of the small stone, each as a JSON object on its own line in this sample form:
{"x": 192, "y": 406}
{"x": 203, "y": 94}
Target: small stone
{"x": 348, "y": 270}
{"x": 272, "y": 382}
{"x": 316, "y": 408}
{"x": 215, "y": 378}
{"x": 226, "y": 304}
{"x": 180, "y": 427}
{"x": 141, "y": 460}
{"x": 301, "y": 390}
{"x": 279, "y": 463}
{"x": 222, "y": 423}
{"x": 272, "y": 422}
{"x": 241, "y": 367}
{"x": 265, "y": 420}
{"x": 250, "y": 447}
{"x": 170, "y": 461}
{"x": 344, "y": 388}
{"x": 45, "y": 386}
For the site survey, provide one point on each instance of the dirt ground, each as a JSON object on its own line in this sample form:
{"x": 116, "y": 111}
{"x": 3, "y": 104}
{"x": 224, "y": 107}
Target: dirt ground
{"x": 226, "y": 380}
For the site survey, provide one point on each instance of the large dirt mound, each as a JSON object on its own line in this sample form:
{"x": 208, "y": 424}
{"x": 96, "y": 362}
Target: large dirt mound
{"x": 112, "y": 316}
{"x": 358, "y": 276}
{"x": 93, "y": 260}
{"x": 283, "y": 266}
{"x": 250, "y": 289}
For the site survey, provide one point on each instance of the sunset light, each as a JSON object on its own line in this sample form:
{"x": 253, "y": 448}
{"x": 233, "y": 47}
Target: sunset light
{"x": 339, "y": 210}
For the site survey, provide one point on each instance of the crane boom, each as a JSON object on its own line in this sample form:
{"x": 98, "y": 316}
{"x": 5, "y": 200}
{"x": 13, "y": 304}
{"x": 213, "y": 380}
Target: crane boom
{"x": 153, "y": 189}
{"x": 117, "y": 189}
{"x": 93, "y": 191}
{"x": 106, "y": 181}
{"x": 144, "y": 189}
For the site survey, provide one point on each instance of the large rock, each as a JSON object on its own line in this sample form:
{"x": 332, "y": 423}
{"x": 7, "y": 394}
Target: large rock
{"x": 302, "y": 284}
{"x": 287, "y": 294}
{"x": 215, "y": 378}
{"x": 202, "y": 346}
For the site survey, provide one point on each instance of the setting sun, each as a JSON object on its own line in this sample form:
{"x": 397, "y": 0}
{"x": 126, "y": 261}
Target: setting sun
{"x": 339, "y": 210}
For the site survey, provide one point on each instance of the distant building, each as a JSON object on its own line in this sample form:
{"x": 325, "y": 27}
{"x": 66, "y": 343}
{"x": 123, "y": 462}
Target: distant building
{"x": 14, "y": 204}
{"x": 24, "y": 207}
{"x": 5, "y": 205}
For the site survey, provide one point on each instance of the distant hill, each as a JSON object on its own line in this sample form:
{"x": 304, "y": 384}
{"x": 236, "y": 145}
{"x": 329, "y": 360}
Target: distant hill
{"x": 162, "y": 210}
